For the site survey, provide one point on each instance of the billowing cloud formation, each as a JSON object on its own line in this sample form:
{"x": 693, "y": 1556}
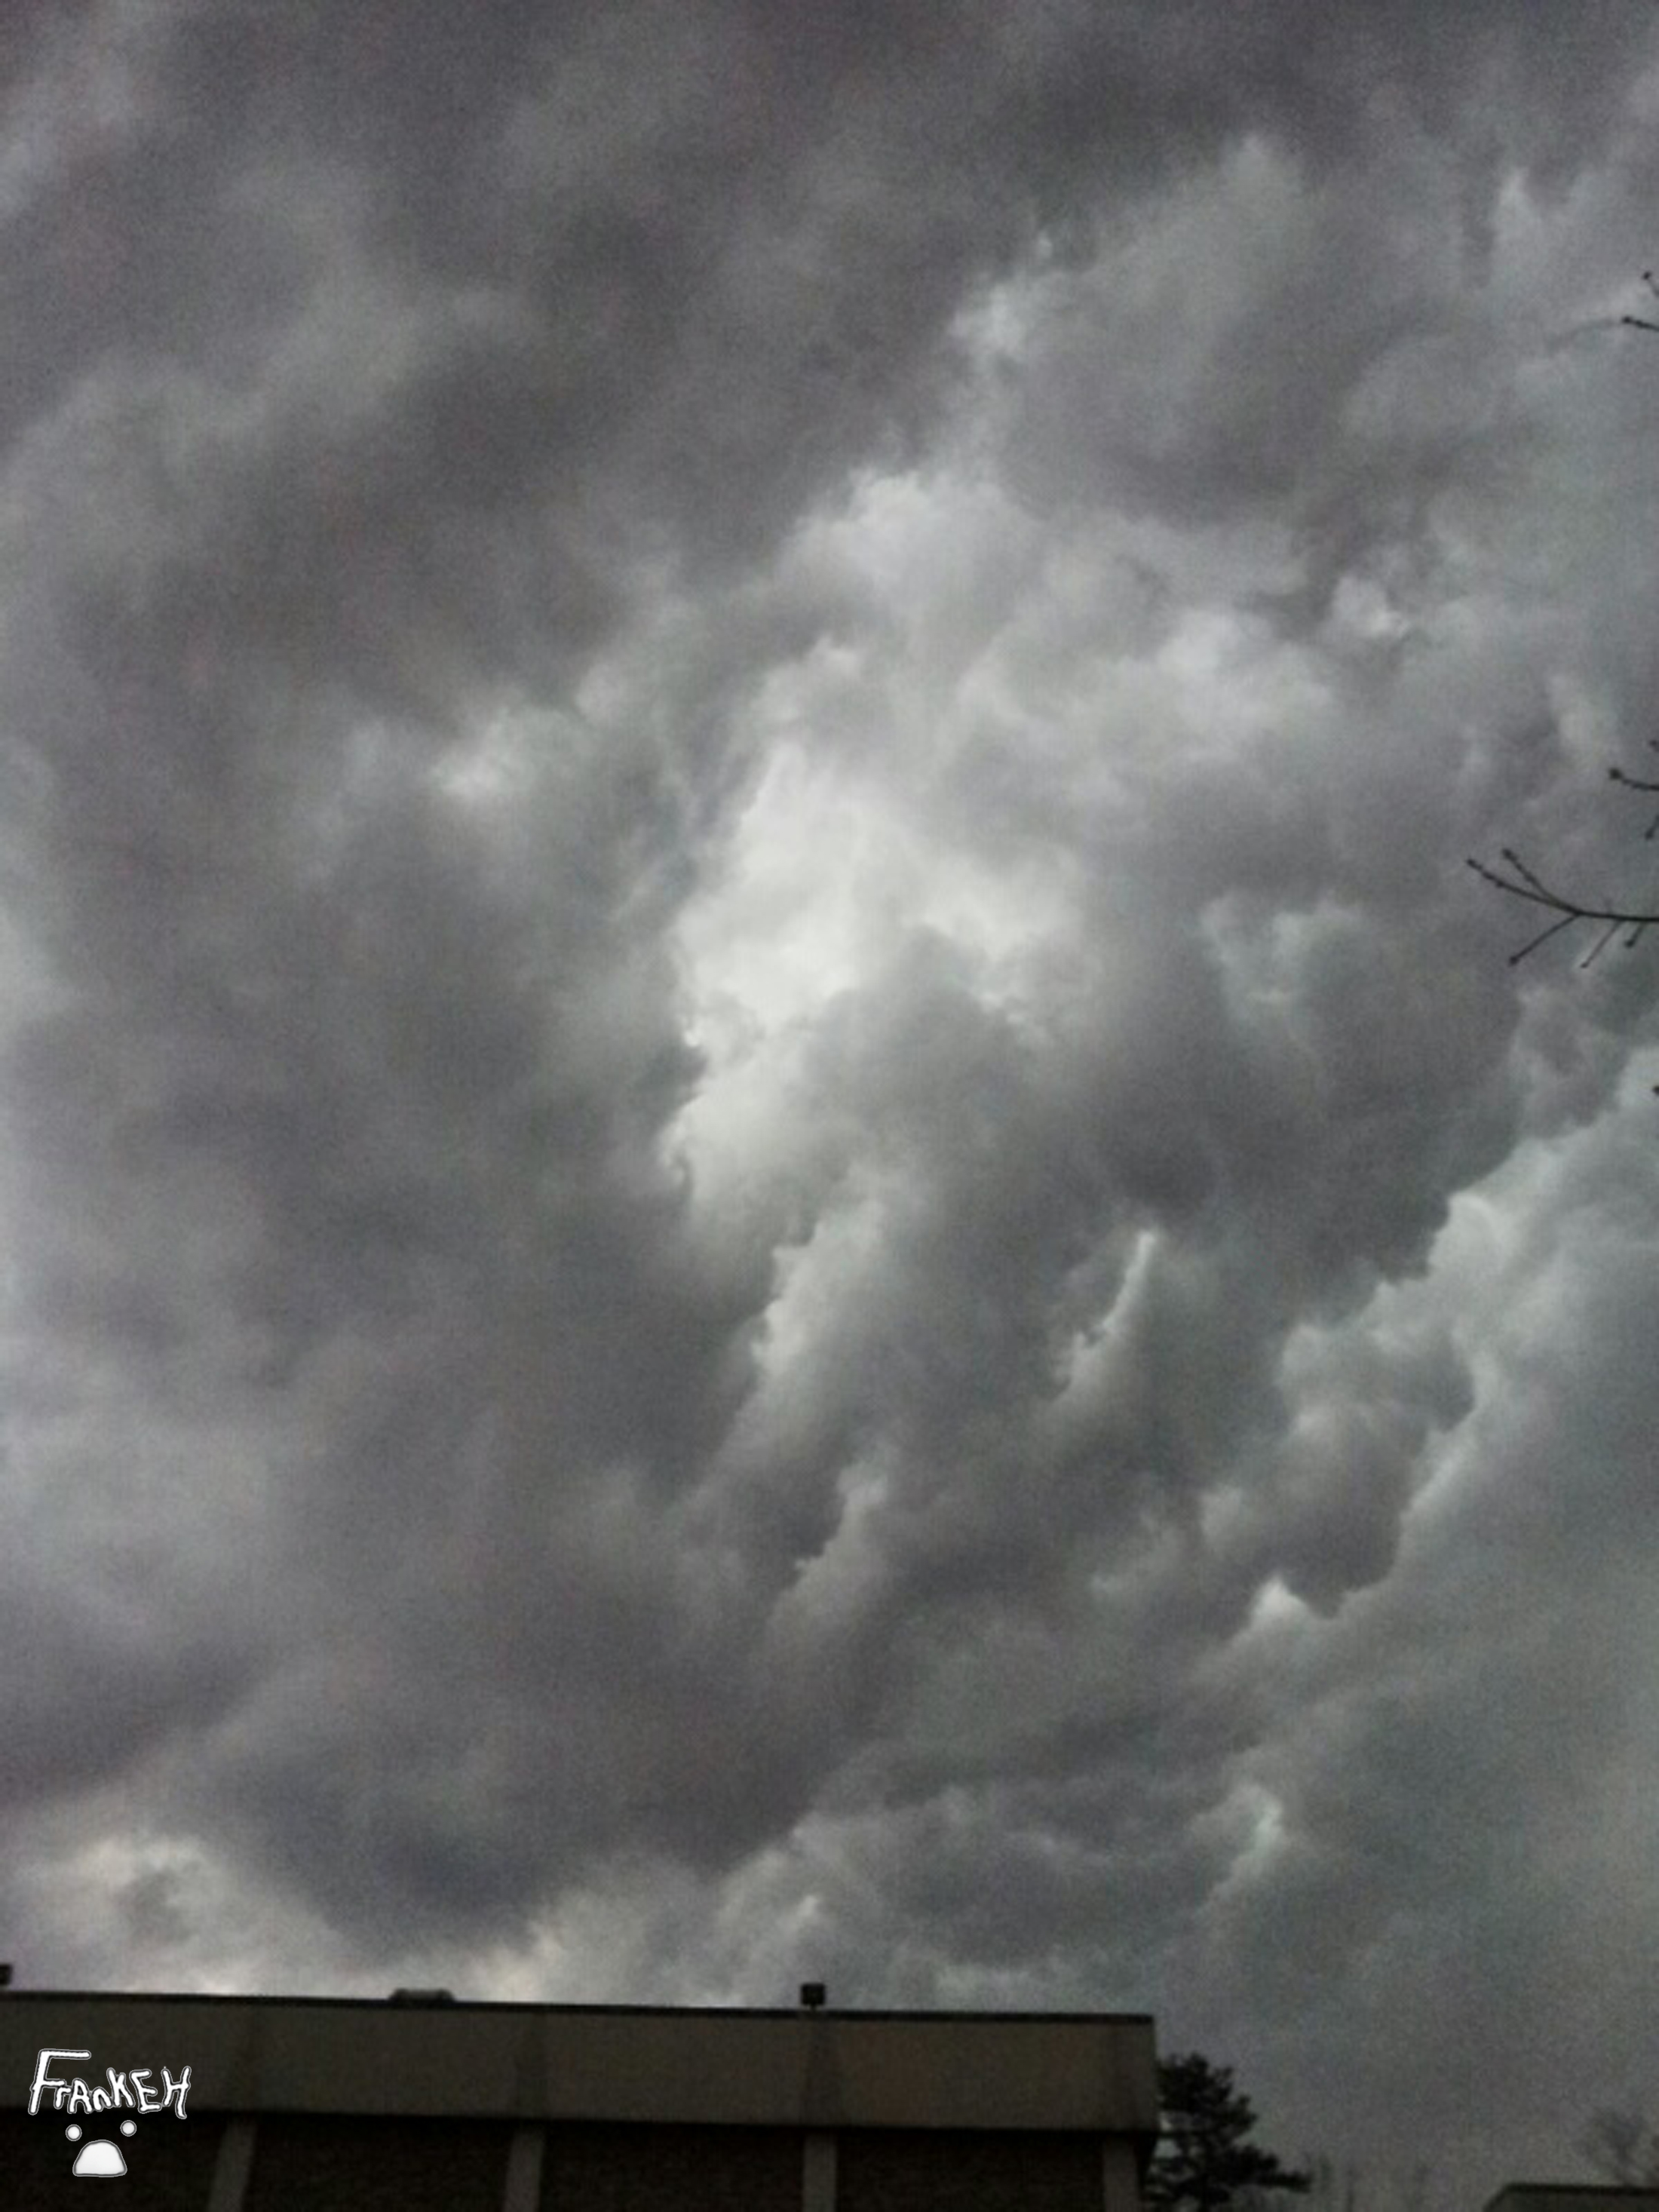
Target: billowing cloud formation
{"x": 774, "y": 1204}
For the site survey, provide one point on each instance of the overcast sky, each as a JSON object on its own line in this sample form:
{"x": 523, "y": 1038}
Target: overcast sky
{"x": 773, "y": 1204}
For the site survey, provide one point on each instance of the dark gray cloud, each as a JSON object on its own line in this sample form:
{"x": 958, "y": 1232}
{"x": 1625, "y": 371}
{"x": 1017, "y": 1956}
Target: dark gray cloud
{"x": 773, "y": 1202}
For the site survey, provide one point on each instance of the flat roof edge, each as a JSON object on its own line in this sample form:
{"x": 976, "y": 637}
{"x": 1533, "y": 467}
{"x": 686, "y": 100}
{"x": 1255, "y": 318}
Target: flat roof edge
{"x": 14, "y": 1996}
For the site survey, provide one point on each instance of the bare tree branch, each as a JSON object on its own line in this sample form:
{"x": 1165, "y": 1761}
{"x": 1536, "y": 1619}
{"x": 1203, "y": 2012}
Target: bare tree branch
{"x": 1520, "y": 881}
{"x": 1570, "y": 910}
{"x": 1522, "y": 884}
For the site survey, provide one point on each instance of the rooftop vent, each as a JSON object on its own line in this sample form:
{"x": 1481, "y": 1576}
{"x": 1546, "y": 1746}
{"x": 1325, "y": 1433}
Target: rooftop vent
{"x": 422, "y": 1997}
{"x": 812, "y": 1995}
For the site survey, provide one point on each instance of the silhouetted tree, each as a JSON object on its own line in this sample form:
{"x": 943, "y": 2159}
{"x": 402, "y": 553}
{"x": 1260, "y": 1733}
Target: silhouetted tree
{"x": 1204, "y": 2163}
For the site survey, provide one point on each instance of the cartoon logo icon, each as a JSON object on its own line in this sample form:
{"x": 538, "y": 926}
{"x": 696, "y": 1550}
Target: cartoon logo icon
{"x": 100, "y": 2159}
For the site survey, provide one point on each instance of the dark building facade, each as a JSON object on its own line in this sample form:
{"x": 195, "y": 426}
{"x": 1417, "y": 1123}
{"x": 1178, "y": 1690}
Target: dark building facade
{"x": 310, "y": 2105}
{"x": 1573, "y": 2197}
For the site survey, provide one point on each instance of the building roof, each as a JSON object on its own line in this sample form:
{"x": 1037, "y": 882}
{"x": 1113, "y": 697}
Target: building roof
{"x": 1574, "y": 2197}
{"x": 1063, "y": 2071}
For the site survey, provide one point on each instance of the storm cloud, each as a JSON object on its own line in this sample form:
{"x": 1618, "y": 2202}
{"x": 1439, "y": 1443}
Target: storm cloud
{"x": 773, "y": 1204}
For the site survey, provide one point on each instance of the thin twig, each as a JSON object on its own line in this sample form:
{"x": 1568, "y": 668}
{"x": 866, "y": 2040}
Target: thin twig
{"x": 1524, "y": 884}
